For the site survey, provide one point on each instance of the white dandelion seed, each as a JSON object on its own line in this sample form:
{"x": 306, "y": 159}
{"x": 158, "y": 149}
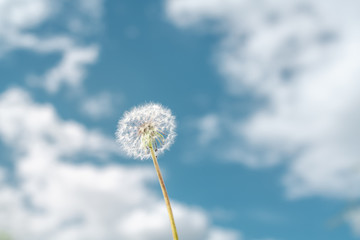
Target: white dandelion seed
{"x": 144, "y": 125}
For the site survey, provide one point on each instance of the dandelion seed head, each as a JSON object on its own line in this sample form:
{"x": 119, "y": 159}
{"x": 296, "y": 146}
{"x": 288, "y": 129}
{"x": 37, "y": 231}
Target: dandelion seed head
{"x": 149, "y": 124}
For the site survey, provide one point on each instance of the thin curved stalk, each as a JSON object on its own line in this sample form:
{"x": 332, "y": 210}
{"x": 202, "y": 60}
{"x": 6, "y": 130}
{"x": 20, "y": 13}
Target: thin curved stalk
{"x": 166, "y": 197}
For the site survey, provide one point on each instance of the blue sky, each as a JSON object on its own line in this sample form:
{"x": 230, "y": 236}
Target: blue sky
{"x": 266, "y": 99}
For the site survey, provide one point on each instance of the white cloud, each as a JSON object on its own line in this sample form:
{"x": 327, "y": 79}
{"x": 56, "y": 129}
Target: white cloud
{"x": 100, "y": 105}
{"x": 27, "y": 125}
{"x": 220, "y": 234}
{"x": 54, "y": 199}
{"x": 208, "y": 128}
{"x": 353, "y": 218}
{"x": 268, "y": 216}
{"x": 20, "y": 15}
{"x": 71, "y": 69}
{"x": 302, "y": 57}
{"x": 23, "y": 27}
{"x": 186, "y": 13}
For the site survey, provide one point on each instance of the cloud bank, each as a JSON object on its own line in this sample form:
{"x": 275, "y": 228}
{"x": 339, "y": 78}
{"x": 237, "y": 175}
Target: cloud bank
{"x": 300, "y": 59}
{"x": 48, "y": 197}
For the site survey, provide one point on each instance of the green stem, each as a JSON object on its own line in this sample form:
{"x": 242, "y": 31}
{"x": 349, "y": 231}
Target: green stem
{"x": 166, "y": 197}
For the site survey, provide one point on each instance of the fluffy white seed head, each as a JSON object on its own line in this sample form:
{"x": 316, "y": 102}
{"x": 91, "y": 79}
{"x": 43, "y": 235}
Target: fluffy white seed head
{"x": 149, "y": 124}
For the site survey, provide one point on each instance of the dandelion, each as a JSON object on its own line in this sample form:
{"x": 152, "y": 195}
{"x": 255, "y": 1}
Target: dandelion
{"x": 144, "y": 131}
{"x": 150, "y": 124}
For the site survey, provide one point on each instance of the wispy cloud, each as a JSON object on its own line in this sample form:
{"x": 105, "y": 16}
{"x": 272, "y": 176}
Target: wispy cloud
{"x": 301, "y": 59}
{"x": 24, "y": 26}
{"x": 71, "y": 70}
{"x": 100, "y": 105}
{"x": 353, "y": 218}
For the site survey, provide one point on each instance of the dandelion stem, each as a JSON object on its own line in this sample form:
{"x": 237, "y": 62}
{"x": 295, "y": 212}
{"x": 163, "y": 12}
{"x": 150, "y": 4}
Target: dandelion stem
{"x": 166, "y": 197}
